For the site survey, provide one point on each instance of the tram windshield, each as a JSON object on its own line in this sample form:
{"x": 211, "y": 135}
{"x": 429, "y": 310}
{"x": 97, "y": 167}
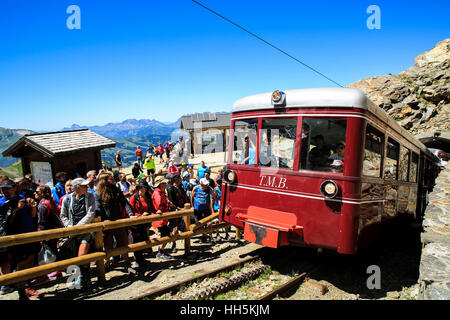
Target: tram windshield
{"x": 277, "y": 147}
{"x": 244, "y": 142}
{"x": 323, "y": 144}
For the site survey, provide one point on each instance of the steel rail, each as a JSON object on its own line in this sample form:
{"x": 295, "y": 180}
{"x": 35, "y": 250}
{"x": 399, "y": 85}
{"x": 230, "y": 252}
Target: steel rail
{"x": 284, "y": 288}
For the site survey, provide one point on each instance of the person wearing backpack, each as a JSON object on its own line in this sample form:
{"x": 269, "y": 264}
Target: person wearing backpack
{"x": 78, "y": 209}
{"x": 139, "y": 156}
{"x": 136, "y": 170}
{"x": 47, "y": 213}
{"x": 111, "y": 205}
{"x": 58, "y": 190}
{"x": 190, "y": 186}
{"x": 201, "y": 202}
{"x": 48, "y": 218}
{"x": 142, "y": 205}
{"x": 18, "y": 214}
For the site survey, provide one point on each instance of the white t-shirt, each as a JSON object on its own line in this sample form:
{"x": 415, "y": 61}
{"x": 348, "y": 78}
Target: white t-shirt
{"x": 124, "y": 187}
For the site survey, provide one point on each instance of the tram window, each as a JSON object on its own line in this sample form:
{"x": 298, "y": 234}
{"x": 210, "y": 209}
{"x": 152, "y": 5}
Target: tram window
{"x": 413, "y": 167}
{"x": 244, "y": 142}
{"x": 277, "y": 147}
{"x": 372, "y": 152}
{"x": 323, "y": 144}
{"x": 391, "y": 163}
{"x": 404, "y": 160}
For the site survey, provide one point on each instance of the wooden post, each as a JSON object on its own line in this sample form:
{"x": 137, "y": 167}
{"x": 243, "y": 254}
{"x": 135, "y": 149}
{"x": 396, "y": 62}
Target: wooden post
{"x": 100, "y": 263}
{"x": 238, "y": 233}
{"x": 187, "y": 223}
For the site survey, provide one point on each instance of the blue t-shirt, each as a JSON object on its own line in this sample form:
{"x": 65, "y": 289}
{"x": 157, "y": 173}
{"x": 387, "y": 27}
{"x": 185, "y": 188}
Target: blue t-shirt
{"x": 202, "y": 198}
{"x": 201, "y": 171}
{"x": 219, "y": 195}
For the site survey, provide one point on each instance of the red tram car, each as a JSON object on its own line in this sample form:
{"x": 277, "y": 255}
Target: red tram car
{"x": 321, "y": 167}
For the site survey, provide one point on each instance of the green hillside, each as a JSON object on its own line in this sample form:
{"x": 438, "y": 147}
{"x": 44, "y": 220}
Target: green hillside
{"x": 7, "y": 138}
{"x": 13, "y": 171}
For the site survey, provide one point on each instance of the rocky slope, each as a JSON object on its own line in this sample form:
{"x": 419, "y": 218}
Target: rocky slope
{"x": 419, "y": 97}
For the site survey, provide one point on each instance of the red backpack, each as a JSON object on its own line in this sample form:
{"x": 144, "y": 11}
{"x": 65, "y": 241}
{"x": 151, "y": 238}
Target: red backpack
{"x": 52, "y": 209}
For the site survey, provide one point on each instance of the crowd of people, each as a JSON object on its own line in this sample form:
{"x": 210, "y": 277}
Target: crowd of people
{"x": 109, "y": 196}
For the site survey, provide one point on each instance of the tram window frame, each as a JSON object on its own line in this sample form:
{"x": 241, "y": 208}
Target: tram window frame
{"x": 308, "y": 143}
{"x": 276, "y": 159}
{"x": 371, "y": 129}
{"x": 413, "y": 155}
{"x": 252, "y": 135}
{"x": 388, "y": 152}
{"x": 403, "y": 176}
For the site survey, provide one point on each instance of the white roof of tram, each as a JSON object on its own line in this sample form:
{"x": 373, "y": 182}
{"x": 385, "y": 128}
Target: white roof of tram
{"x": 314, "y": 97}
{"x": 322, "y": 97}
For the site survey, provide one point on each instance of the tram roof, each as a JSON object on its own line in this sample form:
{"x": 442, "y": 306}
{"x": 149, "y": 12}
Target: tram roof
{"x": 310, "y": 98}
{"x": 324, "y": 98}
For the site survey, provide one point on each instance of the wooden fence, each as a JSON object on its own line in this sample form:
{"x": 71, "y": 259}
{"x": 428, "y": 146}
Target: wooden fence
{"x": 99, "y": 256}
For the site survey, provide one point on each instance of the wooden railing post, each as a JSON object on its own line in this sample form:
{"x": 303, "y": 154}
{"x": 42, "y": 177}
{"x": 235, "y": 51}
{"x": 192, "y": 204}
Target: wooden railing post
{"x": 187, "y": 223}
{"x": 100, "y": 264}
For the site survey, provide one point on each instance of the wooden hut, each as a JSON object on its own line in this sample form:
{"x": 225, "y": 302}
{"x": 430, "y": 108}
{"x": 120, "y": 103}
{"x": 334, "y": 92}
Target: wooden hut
{"x": 207, "y": 131}
{"x": 45, "y": 154}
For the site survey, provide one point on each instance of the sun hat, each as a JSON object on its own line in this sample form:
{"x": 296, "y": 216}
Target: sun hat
{"x": 7, "y": 184}
{"x": 159, "y": 180}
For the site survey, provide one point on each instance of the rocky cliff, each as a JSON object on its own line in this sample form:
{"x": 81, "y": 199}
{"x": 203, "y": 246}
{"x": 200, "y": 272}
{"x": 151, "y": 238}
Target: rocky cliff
{"x": 419, "y": 97}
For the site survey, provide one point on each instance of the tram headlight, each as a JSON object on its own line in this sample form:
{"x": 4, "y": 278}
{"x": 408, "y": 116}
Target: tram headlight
{"x": 229, "y": 176}
{"x": 329, "y": 188}
{"x": 278, "y": 98}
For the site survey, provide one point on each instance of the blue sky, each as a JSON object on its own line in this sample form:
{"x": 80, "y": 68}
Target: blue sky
{"x": 159, "y": 59}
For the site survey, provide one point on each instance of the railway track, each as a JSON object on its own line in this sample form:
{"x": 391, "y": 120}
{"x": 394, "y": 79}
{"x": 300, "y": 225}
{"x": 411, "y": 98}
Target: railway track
{"x": 225, "y": 283}
{"x": 181, "y": 284}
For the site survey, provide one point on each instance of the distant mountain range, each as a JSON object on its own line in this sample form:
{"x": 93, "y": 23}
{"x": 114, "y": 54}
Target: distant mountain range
{"x": 127, "y": 134}
{"x": 131, "y": 128}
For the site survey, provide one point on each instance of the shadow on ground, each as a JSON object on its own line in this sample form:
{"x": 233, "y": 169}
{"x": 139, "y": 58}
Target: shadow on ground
{"x": 397, "y": 256}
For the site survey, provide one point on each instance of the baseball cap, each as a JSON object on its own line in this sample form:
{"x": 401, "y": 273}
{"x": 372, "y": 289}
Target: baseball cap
{"x": 79, "y": 182}
{"x": 204, "y": 181}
